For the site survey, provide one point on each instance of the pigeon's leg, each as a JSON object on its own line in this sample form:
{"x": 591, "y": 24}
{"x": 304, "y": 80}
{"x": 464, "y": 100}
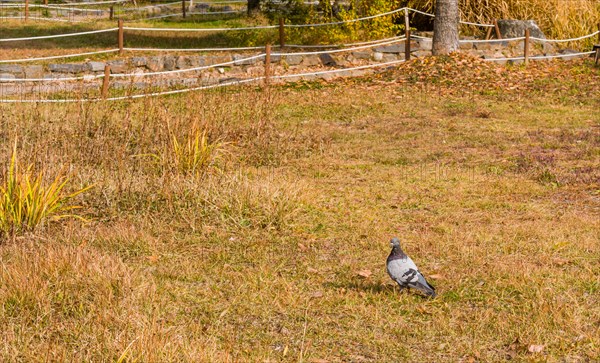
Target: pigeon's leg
{"x": 402, "y": 288}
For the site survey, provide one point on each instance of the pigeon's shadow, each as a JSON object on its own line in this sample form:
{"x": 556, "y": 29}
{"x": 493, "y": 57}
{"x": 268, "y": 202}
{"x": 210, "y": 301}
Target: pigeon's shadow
{"x": 370, "y": 287}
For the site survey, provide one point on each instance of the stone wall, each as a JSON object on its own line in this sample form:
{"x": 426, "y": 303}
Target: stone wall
{"x": 255, "y": 67}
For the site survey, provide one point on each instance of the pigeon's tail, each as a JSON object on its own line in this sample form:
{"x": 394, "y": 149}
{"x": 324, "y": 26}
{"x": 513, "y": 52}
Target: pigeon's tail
{"x": 423, "y": 286}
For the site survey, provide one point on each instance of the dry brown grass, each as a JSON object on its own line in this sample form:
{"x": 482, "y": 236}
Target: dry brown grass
{"x": 559, "y": 19}
{"x": 494, "y": 193}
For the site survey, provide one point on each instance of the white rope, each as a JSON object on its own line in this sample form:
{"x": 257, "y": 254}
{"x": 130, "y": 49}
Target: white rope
{"x": 57, "y": 79}
{"x": 224, "y": 84}
{"x": 129, "y": 75}
{"x": 561, "y": 55}
{"x": 2, "y": 6}
{"x": 342, "y": 50}
{"x": 152, "y": 6}
{"x": 40, "y": 18}
{"x": 60, "y": 35}
{"x": 194, "y": 13}
{"x": 97, "y": 3}
{"x": 489, "y": 40}
{"x": 541, "y": 56}
{"x": 72, "y": 10}
{"x": 462, "y": 22}
{"x": 199, "y": 29}
{"x": 344, "y": 21}
{"x": 339, "y": 70}
{"x": 565, "y": 40}
{"x": 191, "y": 49}
{"x": 57, "y": 56}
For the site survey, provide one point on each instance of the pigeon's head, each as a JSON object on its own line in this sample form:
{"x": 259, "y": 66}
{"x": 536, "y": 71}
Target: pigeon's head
{"x": 395, "y": 242}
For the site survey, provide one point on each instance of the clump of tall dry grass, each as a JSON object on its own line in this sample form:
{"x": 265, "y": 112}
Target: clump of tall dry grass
{"x": 27, "y": 201}
{"x": 557, "y": 18}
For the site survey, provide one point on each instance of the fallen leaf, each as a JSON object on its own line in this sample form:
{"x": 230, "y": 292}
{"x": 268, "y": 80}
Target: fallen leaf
{"x": 436, "y": 277}
{"x": 536, "y": 348}
{"x": 317, "y": 294}
{"x": 365, "y": 273}
{"x": 301, "y": 247}
{"x": 153, "y": 258}
{"x": 312, "y": 270}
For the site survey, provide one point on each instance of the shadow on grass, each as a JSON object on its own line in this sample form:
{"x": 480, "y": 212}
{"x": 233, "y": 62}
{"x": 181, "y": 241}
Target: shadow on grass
{"x": 370, "y": 287}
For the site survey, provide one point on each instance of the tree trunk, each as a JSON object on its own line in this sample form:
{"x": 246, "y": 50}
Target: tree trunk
{"x": 445, "y": 27}
{"x": 253, "y": 7}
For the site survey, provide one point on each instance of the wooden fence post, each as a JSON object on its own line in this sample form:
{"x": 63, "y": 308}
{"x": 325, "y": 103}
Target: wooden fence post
{"x": 498, "y": 34}
{"x": 120, "y": 36}
{"x": 598, "y": 33}
{"x": 488, "y": 35}
{"x": 45, "y": 2}
{"x": 183, "y": 8}
{"x": 111, "y": 13}
{"x": 26, "y": 10}
{"x": 526, "y": 46}
{"x": 407, "y": 35}
{"x": 281, "y": 34}
{"x": 267, "y": 64}
{"x": 105, "y": 81}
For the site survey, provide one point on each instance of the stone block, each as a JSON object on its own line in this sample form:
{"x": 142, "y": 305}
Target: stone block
{"x": 327, "y": 59}
{"x": 35, "y": 72}
{"x": 170, "y": 62}
{"x": 310, "y": 60}
{"x": 139, "y": 61}
{"x": 96, "y": 66}
{"x": 11, "y": 68}
{"x": 293, "y": 60}
{"x": 155, "y": 64}
{"x": 117, "y": 66}
{"x": 240, "y": 60}
{"x": 6, "y": 77}
{"x": 69, "y": 67}
{"x": 362, "y": 55}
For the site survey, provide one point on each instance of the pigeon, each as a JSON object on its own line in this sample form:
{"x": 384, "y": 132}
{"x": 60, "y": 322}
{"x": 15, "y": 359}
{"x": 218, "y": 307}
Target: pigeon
{"x": 403, "y": 270}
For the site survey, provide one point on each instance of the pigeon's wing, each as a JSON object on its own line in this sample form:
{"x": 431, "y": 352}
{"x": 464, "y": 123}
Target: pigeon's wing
{"x": 417, "y": 281}
{"x": 398, "y": 268}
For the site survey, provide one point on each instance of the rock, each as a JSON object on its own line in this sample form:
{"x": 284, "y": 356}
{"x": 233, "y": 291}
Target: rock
{"x": 465, "y": 45}
{"x": 138, "y": 61}
{"x": 392, "y": 48}
{"x": 422, "y": 53}
{"x": 390, "y": 57}
{"x": 7, "y": 77}
{"x": 377, "y": 56}
{"x": 155, "y": 64}
{"x": 170, "y": 62}
{"x": 117, "y": 66}
{"x": 327, "y": 59}
{"x": 35, "y": 72}
{"x": 362, "y": 55}
{"x": 425, "y": 44}
{"x": 310, "y": 60}
{"x": 293, "y": 60}
{"x": 182, "y": 62}
{"x": 68, "y": 67}
{"x": 240, "y": 60}
{"x": 567, "y": 52}
{"x": 11, "y": 68}
{"x": 196, "y": 61}
{"x": 516, "y": 28}
{"x": 96, "y": 66}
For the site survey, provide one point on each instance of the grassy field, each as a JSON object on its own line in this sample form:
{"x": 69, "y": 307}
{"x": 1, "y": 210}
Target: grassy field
{"x": 275, "y": 251}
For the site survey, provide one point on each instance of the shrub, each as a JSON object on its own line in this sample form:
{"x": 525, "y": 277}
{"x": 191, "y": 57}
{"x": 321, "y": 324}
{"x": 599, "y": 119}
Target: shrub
{"x": 27, "y": 202}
